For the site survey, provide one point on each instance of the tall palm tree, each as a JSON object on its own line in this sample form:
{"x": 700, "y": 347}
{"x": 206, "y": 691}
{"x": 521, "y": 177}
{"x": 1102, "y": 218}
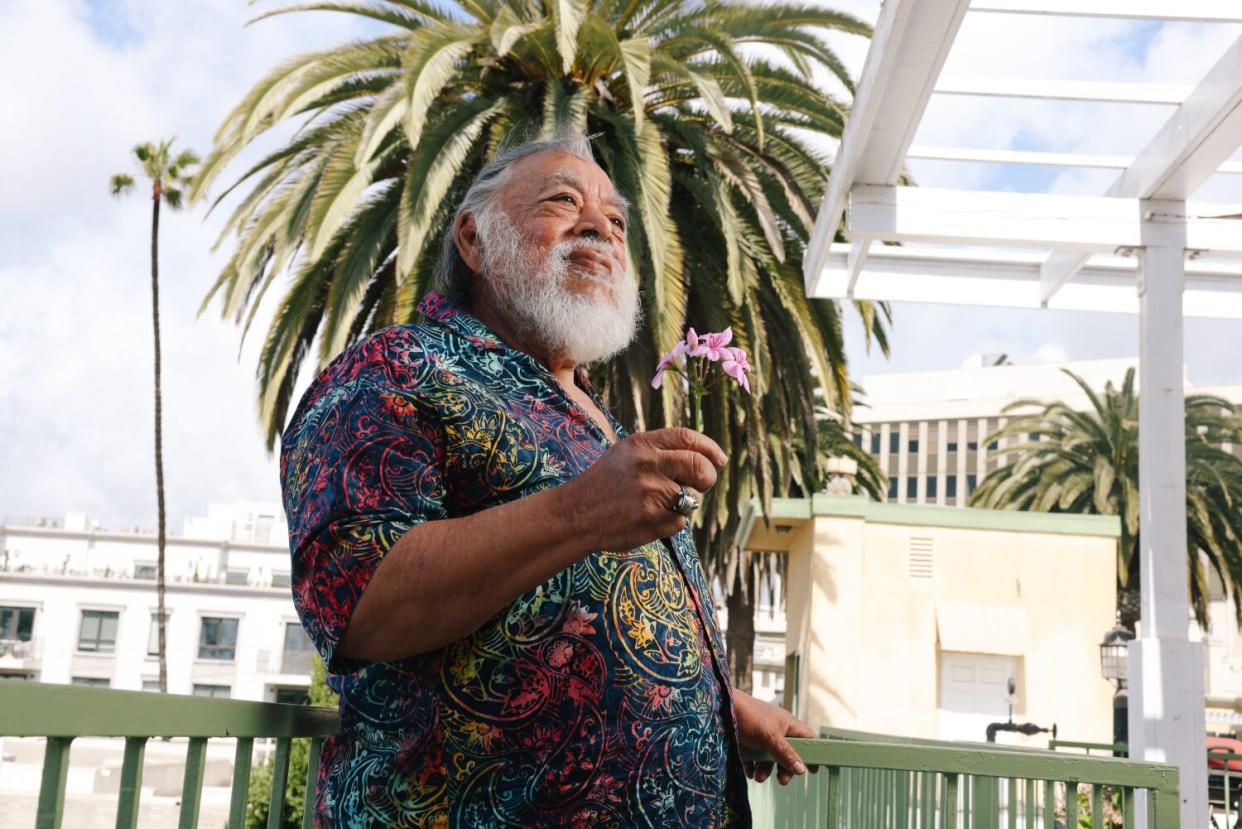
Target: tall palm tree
{"x": 703, "y": 136}
{"x": 169, "y": 174}
{"x": 1087, "y": 462}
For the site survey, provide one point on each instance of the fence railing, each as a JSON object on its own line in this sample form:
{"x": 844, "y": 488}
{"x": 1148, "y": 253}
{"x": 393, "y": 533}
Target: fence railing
{"x": 874, "y": 782}
{"x": 62, "y": 713}
{"x": 864, "y": 781}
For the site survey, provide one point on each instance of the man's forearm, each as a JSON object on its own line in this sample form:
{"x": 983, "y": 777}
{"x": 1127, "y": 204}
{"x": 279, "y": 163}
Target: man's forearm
{"x": 443, "y": 579}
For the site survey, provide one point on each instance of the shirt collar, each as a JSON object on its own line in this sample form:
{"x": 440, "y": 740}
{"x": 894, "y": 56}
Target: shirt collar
{"x": 443, "y": 311}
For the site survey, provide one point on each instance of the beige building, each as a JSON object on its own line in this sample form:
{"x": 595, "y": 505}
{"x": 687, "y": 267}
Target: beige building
{"x": 912, "y": 620}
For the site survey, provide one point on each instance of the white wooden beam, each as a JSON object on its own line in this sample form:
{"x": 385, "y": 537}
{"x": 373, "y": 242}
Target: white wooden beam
{"x": 1010, "y": 279}
{"x": 1166, "y": 708}
{"x": 1198, "y": 137}
{"x": 1090, "y": 224}
{"x": 1208, "y": 11}
{"x": 1036, "y": 158}
{"x": 925, "y": 214}
{"x": 908, "y": 49}
{"x": 1102, "y": 91}
{"x": 854, "y": 264}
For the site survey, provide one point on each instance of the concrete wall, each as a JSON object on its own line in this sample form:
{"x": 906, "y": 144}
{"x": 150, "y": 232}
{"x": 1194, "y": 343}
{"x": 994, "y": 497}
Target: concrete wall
{"x": 865, "y": 624}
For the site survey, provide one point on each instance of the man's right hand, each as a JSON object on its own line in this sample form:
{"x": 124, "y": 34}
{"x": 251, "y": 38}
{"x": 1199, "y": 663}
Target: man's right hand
{"x": 624, "y": 499}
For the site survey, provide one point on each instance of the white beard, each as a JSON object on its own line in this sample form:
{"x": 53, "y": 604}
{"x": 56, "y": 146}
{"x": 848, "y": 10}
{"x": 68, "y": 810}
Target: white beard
{"x": 533, "y": 298}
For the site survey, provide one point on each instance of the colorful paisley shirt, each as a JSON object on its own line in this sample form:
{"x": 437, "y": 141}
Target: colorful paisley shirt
{"x": 598, "y": 699}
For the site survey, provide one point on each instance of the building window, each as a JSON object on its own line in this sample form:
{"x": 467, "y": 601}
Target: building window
{"x": 292, "y": 696}
{"x": 217, "y": 639}
{"x": 913, "y": 447}
{"x": 972, "y": 483}
{"x": 145, "y": 571}
{"x": 950, "y": 486}
{"x": 912, "y": 487}
{"x": 280, "y": 578}
{"x": 16, "y": 623}
{"x": 951, "y": 446}
{"x": 239, "y": 577}
{"x": 894, "y": 442}
{"x": 1033, "y": 437}
{"x": 151, "y": 685}
{"x": 892, "y": 487}
{"x": 92, "y": 681}
{"x": 217, "y": 691}
{"x": 875, "y": 443}
{"x": 993, "y": 446}
{"x": 263, "y": 529}
{"x": 931, "y": 486}
{"x": 296, "y": 658}
{"x": 972, "y": 447}
{"x": 858, "y": 439}
{"x": 97, "y": 633}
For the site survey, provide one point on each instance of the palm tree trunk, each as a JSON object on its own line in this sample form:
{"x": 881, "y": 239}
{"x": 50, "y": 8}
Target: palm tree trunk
{"x": 159, "y": 434}
{"x": 740, "y": 637}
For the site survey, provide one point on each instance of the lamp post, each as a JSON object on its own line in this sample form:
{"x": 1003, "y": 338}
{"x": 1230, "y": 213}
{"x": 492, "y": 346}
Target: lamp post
{"x": 1114, "y": 666}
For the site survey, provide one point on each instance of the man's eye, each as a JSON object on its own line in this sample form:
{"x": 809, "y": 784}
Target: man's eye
{"x": 620, "y": 223}
{"x": 566, "y": 198}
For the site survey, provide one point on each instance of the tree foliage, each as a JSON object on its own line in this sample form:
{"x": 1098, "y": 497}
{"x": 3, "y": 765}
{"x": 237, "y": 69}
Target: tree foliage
{"x": 1088, "y": 462}
{"x": 705, "y": 137}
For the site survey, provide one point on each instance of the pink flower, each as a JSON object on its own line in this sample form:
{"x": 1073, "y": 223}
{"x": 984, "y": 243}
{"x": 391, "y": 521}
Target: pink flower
{"x": 713, "y": 347}
{"x": 736, "y": 365}
{"x": 679, "y": 351}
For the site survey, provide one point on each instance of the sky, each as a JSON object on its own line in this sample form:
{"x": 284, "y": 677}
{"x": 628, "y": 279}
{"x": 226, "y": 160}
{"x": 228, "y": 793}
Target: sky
{"x": 75, "y": 315}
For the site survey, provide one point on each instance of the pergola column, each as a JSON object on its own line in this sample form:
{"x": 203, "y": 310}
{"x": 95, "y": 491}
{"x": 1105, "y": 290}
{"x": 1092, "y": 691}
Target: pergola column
{"x": 1166, "y": 668}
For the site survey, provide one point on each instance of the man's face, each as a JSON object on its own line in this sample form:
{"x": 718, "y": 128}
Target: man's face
{"x": 551, "y": 252}
{"x": 557, "y": 198}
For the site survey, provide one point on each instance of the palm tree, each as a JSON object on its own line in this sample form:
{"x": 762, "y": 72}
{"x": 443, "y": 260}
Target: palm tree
{"x": 168, "y": 175}
{"x": 1087, "y": 462}
{"x": 702, "y": 136}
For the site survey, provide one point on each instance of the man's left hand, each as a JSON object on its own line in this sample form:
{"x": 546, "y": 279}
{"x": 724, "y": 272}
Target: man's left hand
{"x": 763, "y": 726}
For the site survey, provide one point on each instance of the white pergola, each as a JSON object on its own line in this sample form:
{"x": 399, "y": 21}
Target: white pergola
{"x": 1141, "y": 247}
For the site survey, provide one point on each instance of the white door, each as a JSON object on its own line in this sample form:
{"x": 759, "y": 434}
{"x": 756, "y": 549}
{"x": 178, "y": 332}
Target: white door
{"x": 974, "y": 691}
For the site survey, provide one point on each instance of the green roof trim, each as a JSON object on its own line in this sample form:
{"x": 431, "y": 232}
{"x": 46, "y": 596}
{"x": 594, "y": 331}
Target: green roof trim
{"x": 920, "y": 515}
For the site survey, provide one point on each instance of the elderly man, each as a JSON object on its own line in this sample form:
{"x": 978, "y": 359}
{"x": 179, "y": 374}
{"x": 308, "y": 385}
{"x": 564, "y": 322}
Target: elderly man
{"x": 501, "y": 581}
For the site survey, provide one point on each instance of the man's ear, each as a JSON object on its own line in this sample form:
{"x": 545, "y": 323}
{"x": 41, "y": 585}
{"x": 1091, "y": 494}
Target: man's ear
{"x": 466, "y": 237}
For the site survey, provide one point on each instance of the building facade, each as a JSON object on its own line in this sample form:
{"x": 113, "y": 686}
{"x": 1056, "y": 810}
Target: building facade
{"x": 78, "y": 605}
{"x": 928, "y": 430}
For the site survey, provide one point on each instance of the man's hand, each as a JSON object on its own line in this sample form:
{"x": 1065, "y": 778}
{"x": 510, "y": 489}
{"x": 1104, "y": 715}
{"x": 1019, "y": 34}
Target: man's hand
{"x": 763, "y": 726}
{"x": 623, "y": 500}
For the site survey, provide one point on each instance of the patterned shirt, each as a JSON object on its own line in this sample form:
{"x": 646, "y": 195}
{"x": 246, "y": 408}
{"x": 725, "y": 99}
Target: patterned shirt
{"x": 598, "y": 699}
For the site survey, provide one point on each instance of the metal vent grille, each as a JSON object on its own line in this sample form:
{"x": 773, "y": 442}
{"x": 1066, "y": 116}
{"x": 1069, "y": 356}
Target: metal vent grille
{"x": 922, "y": 557}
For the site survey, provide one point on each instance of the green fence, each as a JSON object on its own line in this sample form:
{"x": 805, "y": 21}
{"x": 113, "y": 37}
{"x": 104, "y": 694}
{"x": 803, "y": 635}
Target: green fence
{"x": 873, "y": 782}
{"x": 864, "y": 781}
{"x": 62, "y": 713}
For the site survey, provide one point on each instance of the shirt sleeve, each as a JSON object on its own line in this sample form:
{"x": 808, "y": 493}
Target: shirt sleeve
{"x": 361, "y": 464}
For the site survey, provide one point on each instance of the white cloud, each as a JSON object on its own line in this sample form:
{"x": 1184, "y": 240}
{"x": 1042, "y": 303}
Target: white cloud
{"x": 75, "y": 318}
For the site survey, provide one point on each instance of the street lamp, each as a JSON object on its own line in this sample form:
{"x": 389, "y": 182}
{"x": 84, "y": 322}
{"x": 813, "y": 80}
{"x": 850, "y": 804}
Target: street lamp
{"x": 1114, "y": 659}
{"x": 1114, "y": 665}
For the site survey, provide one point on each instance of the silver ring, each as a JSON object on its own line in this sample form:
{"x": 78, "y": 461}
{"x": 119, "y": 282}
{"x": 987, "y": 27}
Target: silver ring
{"x": 685, "y": 504}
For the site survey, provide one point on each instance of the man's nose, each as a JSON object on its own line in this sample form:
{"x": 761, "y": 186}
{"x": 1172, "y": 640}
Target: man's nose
{"x": 593, "y": 224}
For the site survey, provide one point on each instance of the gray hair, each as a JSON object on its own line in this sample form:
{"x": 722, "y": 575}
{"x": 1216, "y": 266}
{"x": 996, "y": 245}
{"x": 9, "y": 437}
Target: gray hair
{"x": 453, "y": 277}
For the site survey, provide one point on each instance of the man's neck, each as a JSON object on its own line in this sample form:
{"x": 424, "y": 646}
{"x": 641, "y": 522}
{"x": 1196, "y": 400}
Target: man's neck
{"x": 560, "y": 368}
